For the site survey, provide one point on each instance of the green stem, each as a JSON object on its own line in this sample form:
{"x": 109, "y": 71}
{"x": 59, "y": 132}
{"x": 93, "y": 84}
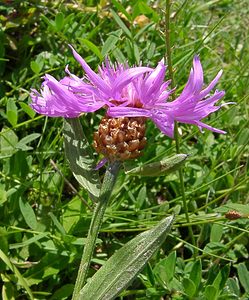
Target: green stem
{"x": 98, "y": 214}
{"x": 167, "y": 44}
{"x": 177, "y": 138}
{"x": 184, "y": 200}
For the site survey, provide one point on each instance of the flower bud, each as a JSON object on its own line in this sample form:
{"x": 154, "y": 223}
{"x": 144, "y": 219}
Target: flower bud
{"x": 233, "y": 215}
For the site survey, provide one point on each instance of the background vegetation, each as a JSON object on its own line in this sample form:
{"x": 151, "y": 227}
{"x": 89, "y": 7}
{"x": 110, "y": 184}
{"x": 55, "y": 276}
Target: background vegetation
{"x": 43, "y": 215}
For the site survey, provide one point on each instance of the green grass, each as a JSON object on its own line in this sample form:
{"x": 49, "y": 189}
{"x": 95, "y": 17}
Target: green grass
{"x": 43, "y": 220}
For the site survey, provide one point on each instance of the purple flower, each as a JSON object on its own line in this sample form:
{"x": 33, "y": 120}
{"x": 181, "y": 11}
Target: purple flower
{"x": 129, "y": 92}
{"x": 57, "y": 100}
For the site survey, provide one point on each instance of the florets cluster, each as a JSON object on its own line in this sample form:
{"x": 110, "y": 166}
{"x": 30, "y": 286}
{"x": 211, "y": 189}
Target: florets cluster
{"x": 120, "y": 138}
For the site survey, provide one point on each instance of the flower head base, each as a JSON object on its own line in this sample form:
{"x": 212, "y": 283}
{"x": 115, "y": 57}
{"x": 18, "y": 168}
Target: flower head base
{"x": 129, "y": 92}
{"x": 120, "y": 138}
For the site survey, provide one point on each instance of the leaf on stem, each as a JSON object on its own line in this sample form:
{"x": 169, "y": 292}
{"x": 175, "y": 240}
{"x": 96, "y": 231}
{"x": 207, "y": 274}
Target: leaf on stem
{"x": 122, "y": 267}
{"x": 80, "y": 156}
{"x": 160, "y": 168}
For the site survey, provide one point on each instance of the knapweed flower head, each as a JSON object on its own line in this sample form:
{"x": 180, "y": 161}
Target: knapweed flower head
{"x": 129, "y": 92}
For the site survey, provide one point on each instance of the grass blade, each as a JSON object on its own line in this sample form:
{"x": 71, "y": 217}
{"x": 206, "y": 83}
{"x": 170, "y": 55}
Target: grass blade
{"x": 14, "y": 269}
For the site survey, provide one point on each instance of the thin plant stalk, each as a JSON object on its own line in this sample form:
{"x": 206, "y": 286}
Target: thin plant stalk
{"x": 177, "y": 138}
{"x": 97, "y": 219}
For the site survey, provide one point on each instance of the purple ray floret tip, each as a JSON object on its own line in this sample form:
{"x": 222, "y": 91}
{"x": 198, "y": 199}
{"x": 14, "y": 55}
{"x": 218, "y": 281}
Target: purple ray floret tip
{"x": 130, "y": 92}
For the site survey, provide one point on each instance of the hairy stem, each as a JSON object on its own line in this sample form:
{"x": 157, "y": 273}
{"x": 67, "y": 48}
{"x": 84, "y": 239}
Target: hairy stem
{"x": 97, "y": 219}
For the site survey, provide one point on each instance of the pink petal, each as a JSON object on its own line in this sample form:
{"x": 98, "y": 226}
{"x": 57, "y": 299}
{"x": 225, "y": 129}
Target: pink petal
{"x": 97, "y": 80}
{"x": 212, "y": 84}
{"x": 118, "y": 111}
{"x": 127, "y": 76}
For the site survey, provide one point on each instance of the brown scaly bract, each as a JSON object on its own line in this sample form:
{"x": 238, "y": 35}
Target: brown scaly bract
{"x": 120, "y": 138}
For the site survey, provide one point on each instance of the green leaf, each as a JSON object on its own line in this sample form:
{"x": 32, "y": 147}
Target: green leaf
{"x": 150, "y": 274}
{"x": 221, "y": 278}
{"x": 110, "y": 42}
{"x": 241, "y": 208}
{"x": 12, "y": 113}
{"x": 59, "y": 21}
{"x": 27, "y": 109}
{"x": 189, "y": 287}
{"x": 57, "y": 223}
{"x": 28, "y": 214}
{"x": 119, "y": 56}
{"x": 195, "y": 274}
{"x": 50, "y": 23}
{"x": 161, "y": 168}
{"x": 141, "y": 197}
{"x": 233, "y": 286}
{"x": 243, "y": 138}
{"x": 141, "y": 8}
{"x": 4, "y": 241}
{"x": 121, "y": 24}
{"x": 21, "y": 280}
{"x": 27, "y": 139}
{"x": 165, "y": 269}
{"x": 71, "y": 214}
{"x": 210, "y": 292}
{"x": 243, "y": 274}
{"x": 49, "y": 266}
{"x": 8, "y": 290}
{"x": 80, "y": 156}
{"x": 151, "y": 50}
{"x": 91, "y": 47}
{"x": 121, "y": 9}
{"x": 3, "y": 195}
{"x": 35, "y": 67}
{"x": 216, "y": 233}
{"x": 29, "y": 241}
{"x": 117, "y": 273}
{"x": 63, "y": 293}
{"x": 136, "y": 53}
{"x": 8, "y": 141}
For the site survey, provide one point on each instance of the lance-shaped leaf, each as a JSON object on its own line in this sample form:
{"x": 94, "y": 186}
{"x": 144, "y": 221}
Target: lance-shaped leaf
{"x": 124, "y": 265}
{"x": 160, "y": 168}
{"x": 80, "y": 156}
